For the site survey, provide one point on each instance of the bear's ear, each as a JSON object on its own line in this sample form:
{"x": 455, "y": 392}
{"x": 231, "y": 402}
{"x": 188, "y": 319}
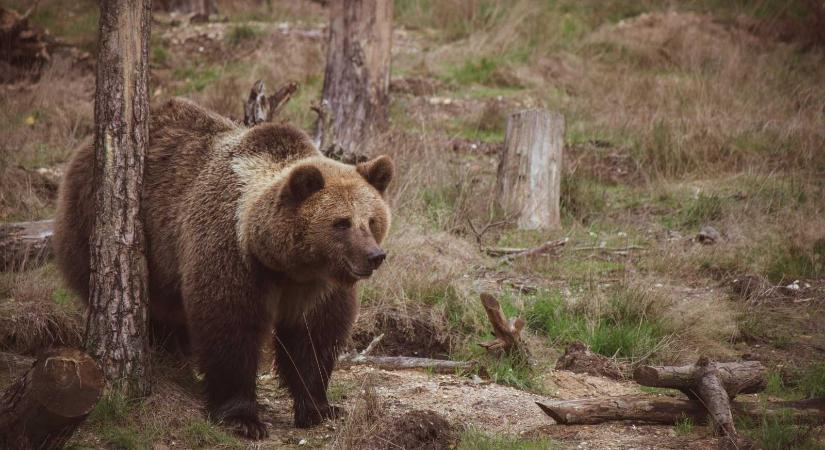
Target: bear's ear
{"x": 378, "y": 172}
{"x": 303, "y": 181}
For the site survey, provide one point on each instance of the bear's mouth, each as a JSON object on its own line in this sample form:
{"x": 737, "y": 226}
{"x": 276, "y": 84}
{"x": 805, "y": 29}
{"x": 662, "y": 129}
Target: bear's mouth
{"x": 358, "y": 274}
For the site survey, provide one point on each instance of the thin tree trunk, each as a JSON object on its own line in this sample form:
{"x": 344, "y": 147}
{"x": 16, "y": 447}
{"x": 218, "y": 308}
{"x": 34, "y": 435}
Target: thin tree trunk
{"x": 357, "y": 76}
{"x": 116, "y": 330}
{"x": 529, "y": 172}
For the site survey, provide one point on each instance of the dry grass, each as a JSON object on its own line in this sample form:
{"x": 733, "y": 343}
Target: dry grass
{"x": 35, "y": 313}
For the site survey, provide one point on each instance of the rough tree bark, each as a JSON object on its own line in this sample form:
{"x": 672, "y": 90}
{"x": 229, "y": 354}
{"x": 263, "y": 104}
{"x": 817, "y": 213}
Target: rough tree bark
{"x": 43, "y": 407}
{"x": 357, "y": 75}
{"x": 116, "y": 328}
{"x": 529, "y": 172}
{"x": 745, "y": 377}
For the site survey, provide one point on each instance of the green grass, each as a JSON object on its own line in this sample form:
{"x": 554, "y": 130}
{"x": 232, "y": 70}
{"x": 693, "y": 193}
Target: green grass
{"x": 110, "y": 419}
{"x": 684, "y": 426}
{"x": 780, "y": 432}
{"x": 812, "y": 382}
{"x": 626, "y": 325}
{"x": 701, "y": 211}
{"x": 793, "y": 262}
{"x": 195, "y": 79}
{"x": 475, "y": 439}
{"x": 201, "y": 433}
{"x": 241, "y": 33}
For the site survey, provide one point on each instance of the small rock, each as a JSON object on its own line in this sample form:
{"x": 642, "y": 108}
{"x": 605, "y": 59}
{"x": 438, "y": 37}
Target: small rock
{"x": 708, "y": 235}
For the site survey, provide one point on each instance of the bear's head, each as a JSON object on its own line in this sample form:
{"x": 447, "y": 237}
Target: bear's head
{"x": 323, "y": 219}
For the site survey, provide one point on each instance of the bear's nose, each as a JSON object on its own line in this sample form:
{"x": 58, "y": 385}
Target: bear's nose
{"x": 376, "y": 257}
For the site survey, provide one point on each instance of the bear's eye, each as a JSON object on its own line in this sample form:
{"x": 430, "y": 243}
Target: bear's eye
{"x": 342, "y": 224}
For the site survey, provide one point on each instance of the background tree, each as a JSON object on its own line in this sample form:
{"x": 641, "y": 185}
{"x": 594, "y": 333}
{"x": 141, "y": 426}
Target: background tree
{"x": 116, "y": 329}
{"x": 357, "y": 75}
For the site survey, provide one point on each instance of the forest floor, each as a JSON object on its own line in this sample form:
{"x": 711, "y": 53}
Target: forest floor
{"x": 678, "y": 118}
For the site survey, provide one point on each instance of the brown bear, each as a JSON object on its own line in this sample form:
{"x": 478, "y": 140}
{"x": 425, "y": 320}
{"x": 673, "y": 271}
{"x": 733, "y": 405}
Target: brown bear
{"x": 246, "y": 230}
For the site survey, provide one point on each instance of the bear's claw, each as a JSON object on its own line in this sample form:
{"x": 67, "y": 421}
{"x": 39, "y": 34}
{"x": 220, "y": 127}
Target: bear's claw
{"x": 247, "y": 427}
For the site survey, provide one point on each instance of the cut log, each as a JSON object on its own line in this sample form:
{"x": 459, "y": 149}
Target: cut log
{"x": 745, "y": 377}
{"x": 357, "y": 74}
{"x": 507, "y": 332}
{"x": 637, "y": 408}
{"x": 25, "y": 245}
{"x": 43, "y": 408}
{"x": 529, "y": 171}
{"x": 670, "y": 410}
{"x": 710, "y": 390}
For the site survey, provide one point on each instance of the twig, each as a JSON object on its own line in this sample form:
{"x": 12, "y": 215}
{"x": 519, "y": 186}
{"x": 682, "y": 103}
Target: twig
{"x": 508, "y": 254}
{"x": 487, "y": 227}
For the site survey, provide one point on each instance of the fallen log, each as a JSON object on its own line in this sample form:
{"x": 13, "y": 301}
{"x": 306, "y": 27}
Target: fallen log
{"x": 666, "y": 410}
{"x": 25, "y": 245}
{"x": 44, "y": 407}
{"x": 745, "y": 377}
{"x": 401, "y": 362}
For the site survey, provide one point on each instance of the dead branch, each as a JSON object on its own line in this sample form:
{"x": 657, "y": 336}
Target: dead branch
{"x": 487, "y": 227}
{"x": 279, "y": 99}
{"x": 259, "y": 108}
{"x": 401, "y": 362}
{"x": 507, "y": 332}
{"x": 510, "y": 253}
{"x": 409, "y": 362}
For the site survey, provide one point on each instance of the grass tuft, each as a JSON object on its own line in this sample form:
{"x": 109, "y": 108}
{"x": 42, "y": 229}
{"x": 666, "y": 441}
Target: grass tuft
{"x": 474, "y": 439}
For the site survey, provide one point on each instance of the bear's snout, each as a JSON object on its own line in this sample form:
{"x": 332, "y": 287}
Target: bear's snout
{"x": 376, "y": 257}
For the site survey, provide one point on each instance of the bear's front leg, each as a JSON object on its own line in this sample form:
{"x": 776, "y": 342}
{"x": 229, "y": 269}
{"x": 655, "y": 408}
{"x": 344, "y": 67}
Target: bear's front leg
{"x": 305, "y": 354}
{"x": 228, "y": 323}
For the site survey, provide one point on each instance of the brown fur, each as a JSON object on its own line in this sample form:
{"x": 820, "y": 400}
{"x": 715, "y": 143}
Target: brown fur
{"x": 247, "y": 230}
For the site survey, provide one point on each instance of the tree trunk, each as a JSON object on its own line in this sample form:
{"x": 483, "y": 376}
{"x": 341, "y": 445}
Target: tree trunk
{"x": 43, "y": 408}
{"x": 25, "y": 245}
{"x": 745, "y": 377}
{"x": 357, "y": 75}
{"x": 669, "y": 410}
{"x": 529, "y": 172}
{"x": 116, "y": 329}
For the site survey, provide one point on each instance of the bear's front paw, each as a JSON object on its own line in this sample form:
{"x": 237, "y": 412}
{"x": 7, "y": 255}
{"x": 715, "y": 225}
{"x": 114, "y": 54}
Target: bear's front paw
{"x": 247, "y": 426}
{"x": 312, "y": 415}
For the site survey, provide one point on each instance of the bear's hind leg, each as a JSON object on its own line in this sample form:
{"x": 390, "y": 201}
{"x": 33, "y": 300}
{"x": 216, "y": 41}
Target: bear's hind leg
{"x": 305, "y": 354}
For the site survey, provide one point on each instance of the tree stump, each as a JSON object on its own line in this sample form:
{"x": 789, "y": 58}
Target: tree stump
{"x": 357, "y": 75}
{"x": 529, "y": 171}
{"x": 25, "y": 245}
{"x": 507, "y": 332}
{"x": 43, "y": 408}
